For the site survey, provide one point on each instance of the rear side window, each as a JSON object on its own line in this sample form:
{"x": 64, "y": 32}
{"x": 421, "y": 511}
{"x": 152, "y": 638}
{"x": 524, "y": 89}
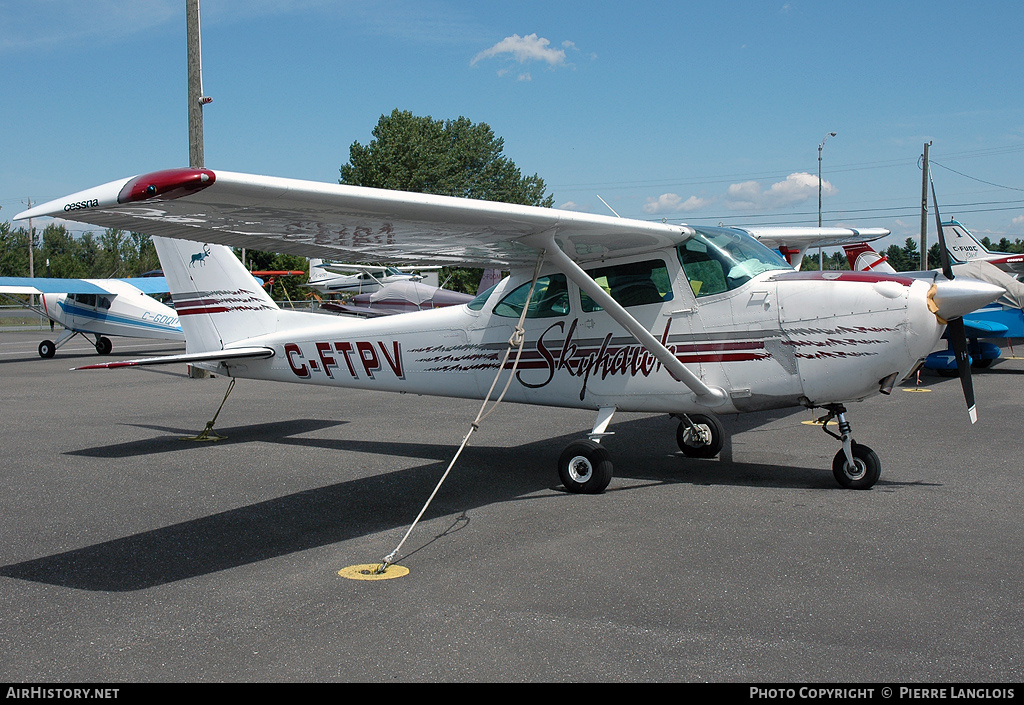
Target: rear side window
{"x": 550, "y": 299}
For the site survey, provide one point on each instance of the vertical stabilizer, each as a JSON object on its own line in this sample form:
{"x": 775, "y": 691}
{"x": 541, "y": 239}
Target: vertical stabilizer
{"x": 489, "y": 278}
{"x": 864, "y": 259}
{"x": 217, "y": 299}
{"x": 962, "y": 245}
{"x": 316, "y": 272}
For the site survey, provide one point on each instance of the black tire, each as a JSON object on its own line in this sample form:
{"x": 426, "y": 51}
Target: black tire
{"x": 584, "y": 467}
{"x": 981, "y": 363}
{"x": 104, "y": 346}
{"x": 692, "y": 447}
{"x": 47, "y": 349}
{"x": 866, "y": 472}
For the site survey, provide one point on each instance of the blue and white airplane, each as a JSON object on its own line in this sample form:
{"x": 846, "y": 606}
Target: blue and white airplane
{"x": 97, "y": 307}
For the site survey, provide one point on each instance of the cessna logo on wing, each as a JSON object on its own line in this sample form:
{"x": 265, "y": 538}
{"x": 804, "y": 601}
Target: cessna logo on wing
{"x": 79, "y": 205}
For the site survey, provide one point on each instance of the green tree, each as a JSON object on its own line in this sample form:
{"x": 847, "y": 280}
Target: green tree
{"x": 287, "y": 286}
{"x": 61, "y": 255}
{"x": 443, "y": 157}
{"x": 13, "y": 251}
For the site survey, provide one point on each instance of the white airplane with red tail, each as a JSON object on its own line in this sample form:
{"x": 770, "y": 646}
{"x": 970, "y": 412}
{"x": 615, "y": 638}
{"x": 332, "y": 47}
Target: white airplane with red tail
{"x": 601, "y": 313}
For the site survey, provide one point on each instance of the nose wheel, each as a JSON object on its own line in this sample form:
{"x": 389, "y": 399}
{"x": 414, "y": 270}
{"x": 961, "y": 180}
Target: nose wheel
{"x": 856, "y": 466}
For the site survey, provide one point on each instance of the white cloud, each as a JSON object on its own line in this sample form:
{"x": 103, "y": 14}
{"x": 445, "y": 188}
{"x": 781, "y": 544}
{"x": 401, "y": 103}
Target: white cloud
{"x": 796, "y": 188}
{"x": 572, "y": 206}
{"x": 746, "y": 196}
{"x": 523, "y": 49}
{"x": 674, "y": 203}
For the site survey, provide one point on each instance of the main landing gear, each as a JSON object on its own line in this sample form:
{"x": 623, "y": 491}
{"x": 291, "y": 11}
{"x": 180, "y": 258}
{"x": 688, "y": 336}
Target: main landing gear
{"x": 699, "y": 435}
{"x": 856, "y": 466}
{"x": 48, "y": 348}
{"x": 585, "y": 466}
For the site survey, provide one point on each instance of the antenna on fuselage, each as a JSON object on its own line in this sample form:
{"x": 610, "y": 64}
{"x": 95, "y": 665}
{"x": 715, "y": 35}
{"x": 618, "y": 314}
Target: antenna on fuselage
{"x": 609, "y": 207}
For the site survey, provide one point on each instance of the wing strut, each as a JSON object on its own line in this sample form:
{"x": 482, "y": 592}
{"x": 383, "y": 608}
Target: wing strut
{"x": 708, "y": 396}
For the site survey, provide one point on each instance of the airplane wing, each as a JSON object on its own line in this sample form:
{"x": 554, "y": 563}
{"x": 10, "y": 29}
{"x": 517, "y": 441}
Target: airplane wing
{"x": 48, "y": 285}
{"x": 149, "y": 285}
{"x": 792, "y": 242}
{"x": 979, "y": 328}
{"x": 58, "y": 285}
{"x": 340, "y": 268}
{"x": 363, "y": 225}
{"x": 348, "y": 223}
{"x": 211, "y": 356}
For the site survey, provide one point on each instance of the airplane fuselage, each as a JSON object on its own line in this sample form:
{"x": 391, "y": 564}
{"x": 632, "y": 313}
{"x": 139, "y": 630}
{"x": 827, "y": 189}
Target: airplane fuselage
{"x": 128, "y": 312}
{"x": 773, "y": 342}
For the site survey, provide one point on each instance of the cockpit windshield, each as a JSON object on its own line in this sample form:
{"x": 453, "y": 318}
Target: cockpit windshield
{"x": 719, "y": 259}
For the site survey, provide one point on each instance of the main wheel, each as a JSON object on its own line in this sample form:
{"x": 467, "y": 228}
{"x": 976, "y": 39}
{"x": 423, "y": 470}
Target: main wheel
{"x": 47, "y": 348}
{"x": 104, "y": 346}
{"x": 692, "y": 445}
{"x": 584, "y": 467}
{"x": 865, "y": 470}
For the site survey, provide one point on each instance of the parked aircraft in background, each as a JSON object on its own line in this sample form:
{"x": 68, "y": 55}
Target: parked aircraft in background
{"x": 97, "y": 307}
{"x": 793, "y": 242}
{"x": 332, "y": 278}
{"x": 398, "y": 297}
{"x": 963, "y": 247}
{"x": 599, "y": 313}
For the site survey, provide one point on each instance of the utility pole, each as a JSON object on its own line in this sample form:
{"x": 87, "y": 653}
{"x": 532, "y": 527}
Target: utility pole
{"x": 196, "y": 99}
{"x": 821, "y": 261}
{"x": 924, "y": 208}
{"x": 31, "y": 245}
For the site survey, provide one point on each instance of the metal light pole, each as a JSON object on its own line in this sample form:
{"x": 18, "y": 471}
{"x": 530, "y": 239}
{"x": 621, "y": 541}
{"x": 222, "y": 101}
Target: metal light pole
{"x": 821, "y": 259}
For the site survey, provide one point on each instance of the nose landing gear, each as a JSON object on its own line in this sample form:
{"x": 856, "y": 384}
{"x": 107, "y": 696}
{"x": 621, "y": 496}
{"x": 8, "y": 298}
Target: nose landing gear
{"x": 856, "y": 466}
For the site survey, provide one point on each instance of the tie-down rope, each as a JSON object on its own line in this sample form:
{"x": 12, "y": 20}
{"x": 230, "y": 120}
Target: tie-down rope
{"x": 517, "y": 340}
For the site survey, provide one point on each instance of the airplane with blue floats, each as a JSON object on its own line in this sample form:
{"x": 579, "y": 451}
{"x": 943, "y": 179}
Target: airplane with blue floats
{"x": 600, "y": 313}
{"x": 1002, "y": 319}
{"x": 97, "y": 308}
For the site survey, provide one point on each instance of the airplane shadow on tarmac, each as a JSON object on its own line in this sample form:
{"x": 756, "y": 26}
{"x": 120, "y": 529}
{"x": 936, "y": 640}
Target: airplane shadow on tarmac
{"x": 354, "y": 508}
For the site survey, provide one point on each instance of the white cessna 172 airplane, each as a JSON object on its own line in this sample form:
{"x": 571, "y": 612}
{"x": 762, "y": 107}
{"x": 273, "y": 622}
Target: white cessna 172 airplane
{"x": 97, "y": 307}
{"x": 608, "y": 314}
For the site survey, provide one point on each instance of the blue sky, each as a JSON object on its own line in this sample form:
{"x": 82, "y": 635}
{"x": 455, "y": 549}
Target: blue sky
{"x": 700, "y": 112}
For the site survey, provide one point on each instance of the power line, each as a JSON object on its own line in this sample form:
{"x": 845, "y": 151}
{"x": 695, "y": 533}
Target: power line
{"x": 974, "y": 178}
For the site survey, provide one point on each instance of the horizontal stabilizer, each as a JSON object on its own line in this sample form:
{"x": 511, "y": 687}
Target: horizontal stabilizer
{"x": 211, "y": 356}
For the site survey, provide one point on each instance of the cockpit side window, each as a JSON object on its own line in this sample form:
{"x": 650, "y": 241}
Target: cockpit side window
{"x": 478, "y": 302}
{"x": 632, "y": 284}
{"x": 718, "y": 259}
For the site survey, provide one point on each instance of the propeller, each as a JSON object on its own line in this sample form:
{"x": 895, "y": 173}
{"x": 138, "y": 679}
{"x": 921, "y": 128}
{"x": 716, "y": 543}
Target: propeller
{"x": 955, "y": 326}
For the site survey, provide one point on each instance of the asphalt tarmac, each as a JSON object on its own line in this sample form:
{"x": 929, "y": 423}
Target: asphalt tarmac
{"x": 130, "y": 555}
